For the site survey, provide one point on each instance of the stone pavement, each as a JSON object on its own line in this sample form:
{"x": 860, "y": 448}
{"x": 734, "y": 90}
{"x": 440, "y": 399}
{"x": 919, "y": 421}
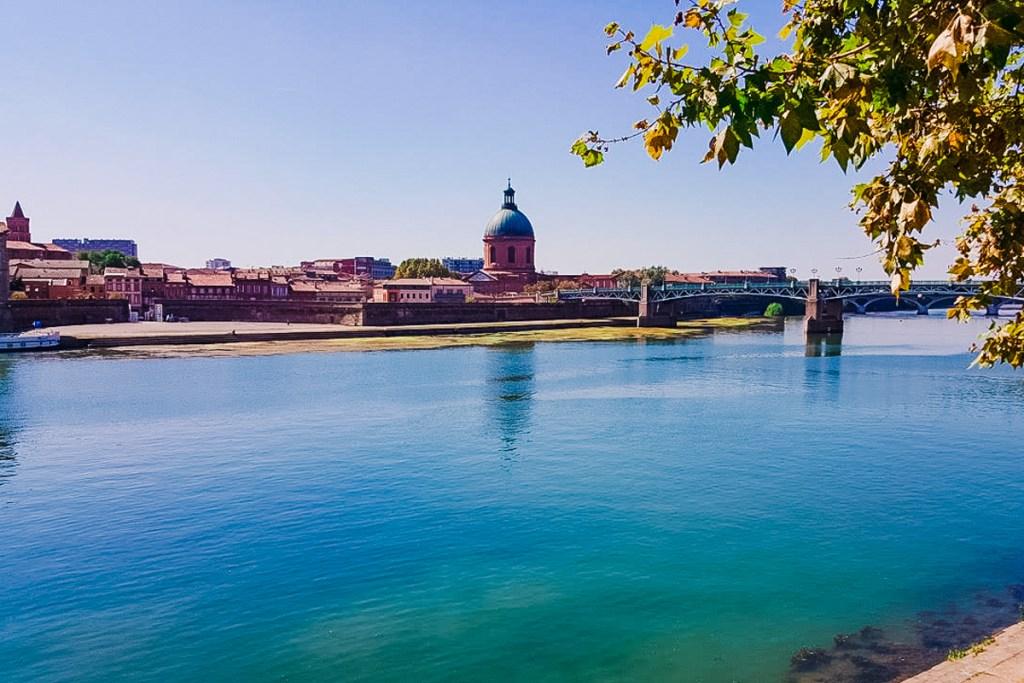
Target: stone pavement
{"x": 1000, "y": 662}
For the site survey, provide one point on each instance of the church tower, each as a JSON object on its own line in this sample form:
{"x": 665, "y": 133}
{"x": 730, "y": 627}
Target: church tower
{"x": 17, "y": 226}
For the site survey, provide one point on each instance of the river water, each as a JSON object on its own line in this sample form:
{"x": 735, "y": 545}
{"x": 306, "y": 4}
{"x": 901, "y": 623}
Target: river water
{"x": 694, "y": 510}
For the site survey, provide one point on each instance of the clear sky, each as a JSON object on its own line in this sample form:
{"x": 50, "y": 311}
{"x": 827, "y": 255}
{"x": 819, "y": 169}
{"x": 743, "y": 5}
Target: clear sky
{"x": 272, "y": 132}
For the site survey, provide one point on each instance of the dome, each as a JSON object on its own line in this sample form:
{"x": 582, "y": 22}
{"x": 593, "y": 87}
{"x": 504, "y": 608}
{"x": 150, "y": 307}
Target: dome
{"x": 509, "y": 221}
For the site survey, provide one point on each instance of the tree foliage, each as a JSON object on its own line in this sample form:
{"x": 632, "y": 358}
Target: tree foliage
{"x": 421, "y": 267}
{"x": 548, "y": 286}
{"x": 101, "y": 260}
{"x": 774, "y": 310}
{"x": 651, "y": 275}
{"x": 934, "y": 86}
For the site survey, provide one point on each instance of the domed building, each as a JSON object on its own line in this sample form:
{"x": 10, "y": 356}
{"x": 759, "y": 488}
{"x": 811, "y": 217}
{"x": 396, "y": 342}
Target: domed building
{"x": 509, "y": 250}
{"x": 508, "y": 238}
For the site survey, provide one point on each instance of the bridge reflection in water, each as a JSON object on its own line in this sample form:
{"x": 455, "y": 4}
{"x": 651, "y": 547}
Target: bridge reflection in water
{"x": 823, "y": 345}
{"x": 825, "y": 301}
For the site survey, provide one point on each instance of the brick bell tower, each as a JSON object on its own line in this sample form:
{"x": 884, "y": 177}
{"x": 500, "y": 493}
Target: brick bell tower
{"x": 17, "y": 225}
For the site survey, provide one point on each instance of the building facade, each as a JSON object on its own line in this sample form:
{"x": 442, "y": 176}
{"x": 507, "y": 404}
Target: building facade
{"x": 462, "y": 265}
{"x": 218, "y": 264}
{"x": 76, "y": 246}
{"x": 210, "y": 285}
{"x": 425, "y": 290}
{"x": 124, "y": 283}
{"x": 5, "y": 268}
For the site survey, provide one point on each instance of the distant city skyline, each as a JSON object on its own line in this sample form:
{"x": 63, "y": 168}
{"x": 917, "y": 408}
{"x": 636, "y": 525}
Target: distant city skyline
{"x": 286, "y": 132}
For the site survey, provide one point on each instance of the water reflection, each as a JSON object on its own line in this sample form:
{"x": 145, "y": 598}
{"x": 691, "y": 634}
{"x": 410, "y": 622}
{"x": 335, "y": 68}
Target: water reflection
{"x": 7, "y": 422}
{"x": 818, "y": 345}
{"x": 510, "y": 380}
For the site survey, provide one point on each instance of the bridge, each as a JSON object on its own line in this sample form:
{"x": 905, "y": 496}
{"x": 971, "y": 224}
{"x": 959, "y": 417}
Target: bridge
{"x": 824, "y": 300}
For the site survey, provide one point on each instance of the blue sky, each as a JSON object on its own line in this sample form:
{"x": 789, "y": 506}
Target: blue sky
{"x": 271, "y": 132}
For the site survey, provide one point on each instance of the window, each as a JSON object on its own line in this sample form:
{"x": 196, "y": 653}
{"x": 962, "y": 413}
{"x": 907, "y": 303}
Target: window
{"x": 494, "y": 255}
{"x": 511, "y": 254}
{"x": 529, "y": 255}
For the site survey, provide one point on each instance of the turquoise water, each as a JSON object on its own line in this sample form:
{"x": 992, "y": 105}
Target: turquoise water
{"x": 694, "y": 510}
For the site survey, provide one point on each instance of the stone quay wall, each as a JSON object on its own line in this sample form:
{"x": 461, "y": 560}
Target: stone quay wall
{"x": 388, "y": 314}
{"x": 52, "y": 313}
{"x": 384, "y": 314}
{"x": 320, "y": 312}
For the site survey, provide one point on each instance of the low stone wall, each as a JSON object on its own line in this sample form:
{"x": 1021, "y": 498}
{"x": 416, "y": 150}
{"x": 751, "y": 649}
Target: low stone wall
{"x": 319, "y": 312}
{"x": 426, "y": 314}
{"x": 52, "y": 313}
{"x": 385, "y": 314}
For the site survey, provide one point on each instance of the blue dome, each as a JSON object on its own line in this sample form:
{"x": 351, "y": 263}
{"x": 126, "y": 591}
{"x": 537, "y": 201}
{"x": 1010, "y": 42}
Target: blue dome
{"x": 509, "y": 221}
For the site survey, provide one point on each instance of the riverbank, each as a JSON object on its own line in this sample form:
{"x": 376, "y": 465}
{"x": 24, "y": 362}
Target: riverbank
{"x": 1000, "y": 658}
{"x": 277, "y": 337}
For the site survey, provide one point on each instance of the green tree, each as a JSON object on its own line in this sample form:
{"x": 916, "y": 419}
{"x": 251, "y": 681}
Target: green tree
{"x": 101, "y": 260}
{"x": 547, "y": 286}
{"x": 936, "y": 87}
{"x": 774, "y": 310}
{"x": 651, "y": 275}
{"x": 421, "y": 267}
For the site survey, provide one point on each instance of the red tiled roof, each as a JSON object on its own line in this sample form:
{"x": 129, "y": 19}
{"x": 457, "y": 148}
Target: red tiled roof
{"x": 687, "y": 278}
{"x": 220, "y": 279}
{"x": 24, "y": 246}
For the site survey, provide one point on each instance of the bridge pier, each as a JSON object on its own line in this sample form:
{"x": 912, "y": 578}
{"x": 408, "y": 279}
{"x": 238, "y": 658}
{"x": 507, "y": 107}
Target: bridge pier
{"x": 647, "y": 313}
{"x": 822, "y": 316}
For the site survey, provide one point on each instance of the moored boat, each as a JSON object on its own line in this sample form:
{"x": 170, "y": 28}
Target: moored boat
{"x": 29, "y": 341}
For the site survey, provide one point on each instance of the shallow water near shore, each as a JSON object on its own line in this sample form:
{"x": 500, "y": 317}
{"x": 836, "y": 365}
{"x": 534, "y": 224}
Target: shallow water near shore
{"x": 682, "y": 508}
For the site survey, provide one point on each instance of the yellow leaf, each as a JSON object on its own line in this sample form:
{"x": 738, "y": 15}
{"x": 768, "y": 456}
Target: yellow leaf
{"x": 914, "y": 215}
{"x": 943, "y": 51}
{"x": 625, "y": 77}
{"x": 900, "y": 281}
{"x": 680, "y": 52}
{"x": 692, "y": 19}
{"x": 656, "y": 36}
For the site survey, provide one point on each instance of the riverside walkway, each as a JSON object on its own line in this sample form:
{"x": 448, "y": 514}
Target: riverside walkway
{"x": 162, "y": 334}
{"x": 1000, "y": 662}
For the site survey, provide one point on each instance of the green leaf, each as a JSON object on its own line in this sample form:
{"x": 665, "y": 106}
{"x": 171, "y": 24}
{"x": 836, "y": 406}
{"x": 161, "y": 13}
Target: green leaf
{"x": 611, "y": 28}
{"x": 592, "y": 157}
{"x": 791, "y": 130}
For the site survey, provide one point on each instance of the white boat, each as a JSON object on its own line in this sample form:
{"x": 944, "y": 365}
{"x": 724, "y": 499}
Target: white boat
{"x": 29, "y": 341}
